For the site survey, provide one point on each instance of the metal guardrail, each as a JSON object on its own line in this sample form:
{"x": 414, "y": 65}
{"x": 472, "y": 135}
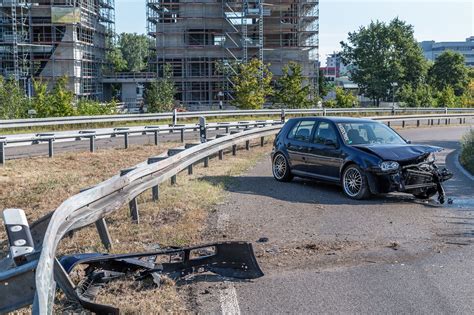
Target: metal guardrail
{"x": 93, "y": 204}
{"x": 40, "y": 274}
{"x": 175, "y": 116}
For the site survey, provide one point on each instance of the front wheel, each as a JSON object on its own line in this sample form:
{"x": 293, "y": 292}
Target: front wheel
{"x": 281, "y": 168}
{"x": 354, "y": 183}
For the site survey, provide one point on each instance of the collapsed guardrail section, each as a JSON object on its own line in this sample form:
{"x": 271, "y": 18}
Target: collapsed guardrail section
{"x": 33, "y": 275}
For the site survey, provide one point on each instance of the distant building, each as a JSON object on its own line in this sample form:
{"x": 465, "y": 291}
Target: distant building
{"x": 432, "y": 49}
{"x": 335, "y": 68}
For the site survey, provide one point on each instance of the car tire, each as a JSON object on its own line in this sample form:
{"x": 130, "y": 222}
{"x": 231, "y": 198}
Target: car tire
{"x": 354, "y": 183}
{"x": 281, "y": 168}
{"x": 426, "y": 194}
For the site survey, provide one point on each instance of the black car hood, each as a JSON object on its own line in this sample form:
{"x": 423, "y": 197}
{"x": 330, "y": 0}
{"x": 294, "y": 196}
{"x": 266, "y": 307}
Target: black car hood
{"x": 398, "y": 152}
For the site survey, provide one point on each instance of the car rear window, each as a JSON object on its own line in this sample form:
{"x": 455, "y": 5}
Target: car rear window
{"x": 302, "y": 131}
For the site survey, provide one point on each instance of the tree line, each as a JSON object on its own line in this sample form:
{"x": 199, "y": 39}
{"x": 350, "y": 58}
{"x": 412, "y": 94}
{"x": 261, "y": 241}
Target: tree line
{"x": 57, "y": 101}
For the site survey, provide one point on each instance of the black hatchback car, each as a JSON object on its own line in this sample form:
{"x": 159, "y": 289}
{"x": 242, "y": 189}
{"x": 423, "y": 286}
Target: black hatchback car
{"x": 364, "y": 156}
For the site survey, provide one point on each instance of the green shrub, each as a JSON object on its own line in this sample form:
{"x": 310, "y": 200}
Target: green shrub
{"x": 467, "y": 151}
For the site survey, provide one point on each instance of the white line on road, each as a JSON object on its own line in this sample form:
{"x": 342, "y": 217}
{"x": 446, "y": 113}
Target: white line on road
{"x": 229, "y": 301}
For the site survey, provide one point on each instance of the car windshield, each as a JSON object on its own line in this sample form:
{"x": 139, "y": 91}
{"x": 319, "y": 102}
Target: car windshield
{"x": 363, "y": 133}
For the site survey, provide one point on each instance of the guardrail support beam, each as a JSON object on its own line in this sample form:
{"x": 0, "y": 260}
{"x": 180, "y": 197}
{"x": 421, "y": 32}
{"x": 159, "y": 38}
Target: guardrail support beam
{"x": 50, "y": 148}
{"x": 190, "y": 169}
{"x": 234, "y": 149}
{"x": 247, "y": 145}
{"x": 262, "y": 141}
{"x": 173, "y": 180}
{"x": 125, "y": 139}
{"x": 221, "y": 154}
{"x": 155, "y": 133}
{"x": 155, "y": 193}
{"x": 133, "y": 205}
{"x": 206, "y": 161}
{"x": 104, "y": 234}
{"x": 92, "y": 144}
{"x": 2, "y": 153}
{"x": 182, "y": 135}
{"x": 403, "y": 124}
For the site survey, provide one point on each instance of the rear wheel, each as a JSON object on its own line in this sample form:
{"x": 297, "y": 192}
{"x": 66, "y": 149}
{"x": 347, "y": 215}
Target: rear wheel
{"x": 354, "y": 183}
{"x": 281, "y": 168}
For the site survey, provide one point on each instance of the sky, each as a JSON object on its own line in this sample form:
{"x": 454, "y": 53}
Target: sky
{"x": 439, "y": 20}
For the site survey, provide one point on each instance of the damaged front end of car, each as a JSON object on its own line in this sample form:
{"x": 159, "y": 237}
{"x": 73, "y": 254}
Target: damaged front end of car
{"x": 420, "y": 177}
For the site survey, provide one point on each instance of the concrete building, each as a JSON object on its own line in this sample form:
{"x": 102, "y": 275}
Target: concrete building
{"x": 203, "y": 39}
{"x": 47, "y": 39}
{"x": 432, "y": 49}
{"x": 334, "y": 68}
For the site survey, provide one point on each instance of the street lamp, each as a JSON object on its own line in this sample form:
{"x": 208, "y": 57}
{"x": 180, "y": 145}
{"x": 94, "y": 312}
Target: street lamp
{"x": 220, "y": 95}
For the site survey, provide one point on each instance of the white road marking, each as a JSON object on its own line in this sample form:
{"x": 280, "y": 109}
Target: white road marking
{"x": 229, "y": 301}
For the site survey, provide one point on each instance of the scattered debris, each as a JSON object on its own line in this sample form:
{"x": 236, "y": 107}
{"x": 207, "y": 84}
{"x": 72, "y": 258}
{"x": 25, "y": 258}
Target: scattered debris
{"x": 262, "y": 240}
{"x": 394, "y": 246}
{"x": 450, "y": 201}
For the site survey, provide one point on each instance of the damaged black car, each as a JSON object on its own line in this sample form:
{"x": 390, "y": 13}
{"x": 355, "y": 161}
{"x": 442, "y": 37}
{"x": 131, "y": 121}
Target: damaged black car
{"x": 364, "y": 156}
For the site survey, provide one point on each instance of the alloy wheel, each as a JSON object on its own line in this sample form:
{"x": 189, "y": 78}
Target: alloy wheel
{"x": 352, "y": 181}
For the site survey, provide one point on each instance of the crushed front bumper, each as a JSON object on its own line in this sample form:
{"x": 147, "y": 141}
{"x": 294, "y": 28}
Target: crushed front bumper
{"x": 423, "y": 179}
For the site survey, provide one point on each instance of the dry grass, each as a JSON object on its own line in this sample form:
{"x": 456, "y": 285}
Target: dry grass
{"x": 39, "y": 185}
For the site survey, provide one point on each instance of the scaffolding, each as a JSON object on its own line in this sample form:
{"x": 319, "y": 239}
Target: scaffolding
{"x": 199, "y": 38}
{"x": 49, "y": 39}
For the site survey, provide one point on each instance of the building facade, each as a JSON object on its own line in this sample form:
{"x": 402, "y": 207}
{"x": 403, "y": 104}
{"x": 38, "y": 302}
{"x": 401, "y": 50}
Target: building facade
{"x": 48, "y": 39}
{"x": 334, "y": 68}
{"x": 432, "y": 49}
{"x": 202, "y": 40}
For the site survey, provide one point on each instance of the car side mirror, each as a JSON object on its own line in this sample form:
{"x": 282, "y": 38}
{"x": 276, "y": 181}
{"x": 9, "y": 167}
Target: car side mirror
{"x": 330, "y": 143}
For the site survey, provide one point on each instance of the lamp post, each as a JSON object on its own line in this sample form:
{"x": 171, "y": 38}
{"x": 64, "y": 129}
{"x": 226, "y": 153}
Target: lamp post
{"x": 220, "y": 95}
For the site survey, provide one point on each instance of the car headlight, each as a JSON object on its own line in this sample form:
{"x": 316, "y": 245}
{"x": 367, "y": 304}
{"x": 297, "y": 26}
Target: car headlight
{"x": 389, "y": 166}
{"x": 431, "y": 158}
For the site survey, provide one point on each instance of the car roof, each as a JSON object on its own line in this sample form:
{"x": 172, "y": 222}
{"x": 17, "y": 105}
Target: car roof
{"x": 337, "y": 119}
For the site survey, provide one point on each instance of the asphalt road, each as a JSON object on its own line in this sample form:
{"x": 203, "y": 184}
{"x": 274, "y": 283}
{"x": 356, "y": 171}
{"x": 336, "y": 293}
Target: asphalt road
{"x": 329, "y": 254}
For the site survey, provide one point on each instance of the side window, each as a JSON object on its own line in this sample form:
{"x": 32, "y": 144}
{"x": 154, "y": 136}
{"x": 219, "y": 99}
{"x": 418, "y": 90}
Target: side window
{"x": 324, "y": 132}
{"x": 302, "y": 131}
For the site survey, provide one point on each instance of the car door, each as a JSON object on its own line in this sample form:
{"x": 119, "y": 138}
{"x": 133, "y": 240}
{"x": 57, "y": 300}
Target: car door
{"x": 325, "y": 152}
{"x": 298, "y": 143}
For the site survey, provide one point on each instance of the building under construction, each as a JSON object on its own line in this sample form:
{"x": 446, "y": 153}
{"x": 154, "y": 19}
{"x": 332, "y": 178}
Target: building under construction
{"x": 48, "y": 39}
{"x": 200, "y": 37}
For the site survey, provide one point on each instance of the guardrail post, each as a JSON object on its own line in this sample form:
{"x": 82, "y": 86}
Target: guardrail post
{"x": 247, "y": 145}
{"x": 206, "y": 161}
{"x": 460, "y": 121}
{"x": 2, "y": 152}
{"x": 104, "y": 234}
{"x": 445, "y": 110}
{"x": 234, "y": 149}
{"x": 155, "y": 133}
{"x": 173, "y": 180}
{"x": 324, "y": 111}
{"x": 282, "y": 116}
{"x": 133, "y": 205}
{"x": 418, "y": 123}
{"x": 446, "y": 121}
{"x": 439, "y": 121}
{"x": 262, "y": 141}
{"x": 125, "y": 139}
{"x": 221, "y": 154}
{"x": 50, "y": 147}
{"x": 202, "y": 129}
{"x": 388, "y": 123}
{"x": 92, "y": 144}
{"x": 175, "y": 117}
{"x": 190, "y": 169}
{"x": 155, "y": 193}
{"x": 182, "y": 135}
{"x": 403, "y": 124}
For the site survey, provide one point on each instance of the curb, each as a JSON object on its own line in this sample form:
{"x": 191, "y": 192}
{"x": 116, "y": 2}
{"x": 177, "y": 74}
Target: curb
{"x": 461, "y": 168}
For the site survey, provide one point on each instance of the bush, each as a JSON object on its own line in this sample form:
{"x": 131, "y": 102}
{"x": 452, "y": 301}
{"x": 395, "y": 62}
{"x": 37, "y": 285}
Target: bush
{"x": 91, "y": 108}
{"x": 467, "y": 151}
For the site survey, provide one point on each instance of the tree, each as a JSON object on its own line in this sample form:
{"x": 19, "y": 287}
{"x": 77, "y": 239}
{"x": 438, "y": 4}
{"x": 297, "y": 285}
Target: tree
{"x": 252, "y": 85}
{"x": 135, "y": 51}
{"x": 420, "y": 96}
{"x": 42, "y": 100}
{"x": 381, "y": 54}
{"x": 13, "y": 102}
{"x": 447, "y": 97}
{"x": 324, "y": 86}
{"x": 292, "y": 92}
{"x": 449, "y": 70}
{"x": 61, "y": 99}
{"x": 345, "y": 99}
{"x": 115, "y": 58}
{"x": 159, "y": 95}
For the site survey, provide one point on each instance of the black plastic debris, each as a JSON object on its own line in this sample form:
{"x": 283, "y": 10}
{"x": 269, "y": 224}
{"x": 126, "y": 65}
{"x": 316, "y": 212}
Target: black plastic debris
{"x": 228, "y": 259}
